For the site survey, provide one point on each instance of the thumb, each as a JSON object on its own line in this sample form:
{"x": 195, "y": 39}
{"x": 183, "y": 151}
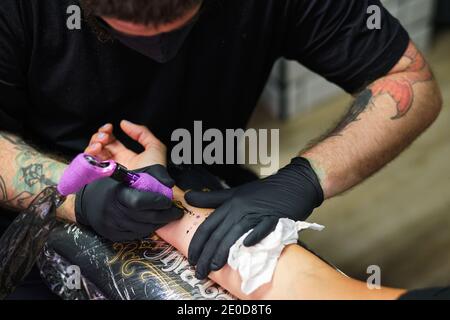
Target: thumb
{"x": 141, "y": 134}
{"x": 211, "y": 199}
{"x": 160, "y": 173}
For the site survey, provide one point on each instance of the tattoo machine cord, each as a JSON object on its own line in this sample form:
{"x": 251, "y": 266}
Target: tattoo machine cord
{"x": 23, "y": 241}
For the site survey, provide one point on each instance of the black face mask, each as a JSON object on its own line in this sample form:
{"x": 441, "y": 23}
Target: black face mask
{"x": 160, "y": 48}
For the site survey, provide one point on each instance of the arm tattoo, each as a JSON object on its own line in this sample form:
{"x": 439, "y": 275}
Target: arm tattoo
{"x": 18, "y": 201}
{"x": 33, "y": 173}
{"x": 401, "y": 89}
{"x": 359, "y": 105}
{"x": 398, "y": 85}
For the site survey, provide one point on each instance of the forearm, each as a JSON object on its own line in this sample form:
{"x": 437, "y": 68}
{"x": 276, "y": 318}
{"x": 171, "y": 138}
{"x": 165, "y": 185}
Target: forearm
{"x": 384, "y": 120}
{"x": 25, "y": 173}
{"x": 298, "y": 275}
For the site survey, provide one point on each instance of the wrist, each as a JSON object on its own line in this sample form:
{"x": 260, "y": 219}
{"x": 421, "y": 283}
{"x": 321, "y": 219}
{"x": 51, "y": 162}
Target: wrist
{"x": 305, "y": 170}
{"x": 67, "y": 210}
{"x": 77, "y": 208}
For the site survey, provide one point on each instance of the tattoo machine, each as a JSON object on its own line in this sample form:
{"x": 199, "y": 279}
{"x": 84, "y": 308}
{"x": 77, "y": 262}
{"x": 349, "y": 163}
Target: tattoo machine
{"x": 86, "y": 169}
{"x": 23, "y": 241}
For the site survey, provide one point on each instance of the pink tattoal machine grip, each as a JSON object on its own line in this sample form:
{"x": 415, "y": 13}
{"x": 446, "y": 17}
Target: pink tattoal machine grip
{"x": 85, "y": 169}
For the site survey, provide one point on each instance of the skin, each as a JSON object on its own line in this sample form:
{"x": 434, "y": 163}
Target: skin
{"x": 310, "y": 279}
{"x": 385, "y": 118}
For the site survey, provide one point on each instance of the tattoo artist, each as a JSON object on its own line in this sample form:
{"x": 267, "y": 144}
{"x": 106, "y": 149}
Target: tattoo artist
{"x": 165, "y": 64}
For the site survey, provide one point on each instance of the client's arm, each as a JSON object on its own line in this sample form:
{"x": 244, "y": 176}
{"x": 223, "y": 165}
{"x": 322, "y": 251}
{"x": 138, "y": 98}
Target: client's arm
{"x": 298, "y": 275}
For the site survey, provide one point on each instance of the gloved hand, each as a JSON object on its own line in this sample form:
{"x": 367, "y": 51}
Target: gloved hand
{"x": 120, "y": 213}
{"x": 292, "y": 193}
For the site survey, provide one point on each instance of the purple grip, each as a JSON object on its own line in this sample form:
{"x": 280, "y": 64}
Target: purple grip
{"x": 149, "y": 184}
{"x": 81, "y": 173}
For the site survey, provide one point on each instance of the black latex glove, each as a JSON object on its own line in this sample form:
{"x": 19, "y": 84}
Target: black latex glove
{"x": 292, "y": 193}
{"x": 120, "y": 213}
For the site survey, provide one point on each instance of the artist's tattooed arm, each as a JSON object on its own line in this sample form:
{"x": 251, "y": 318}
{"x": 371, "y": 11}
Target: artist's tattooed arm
{"x": 385, "y": 118}
{"x": 24, "y": 172}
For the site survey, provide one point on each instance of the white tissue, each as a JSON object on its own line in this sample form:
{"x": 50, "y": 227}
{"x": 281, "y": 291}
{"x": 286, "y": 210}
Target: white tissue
{"x": 256, "y": 264}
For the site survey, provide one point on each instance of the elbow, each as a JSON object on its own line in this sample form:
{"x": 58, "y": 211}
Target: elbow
{"x": 438, "y": 101}
{"x": 435, "y": 102}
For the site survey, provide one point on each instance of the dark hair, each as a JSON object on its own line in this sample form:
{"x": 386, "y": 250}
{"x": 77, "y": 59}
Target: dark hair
{"x": 148, "y": 12}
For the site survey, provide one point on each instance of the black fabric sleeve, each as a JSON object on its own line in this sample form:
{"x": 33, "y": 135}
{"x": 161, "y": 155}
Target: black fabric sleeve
{"x": 428, "y": 294}
{"x": 332, "y": 39}
{"x": 13, "y": 66}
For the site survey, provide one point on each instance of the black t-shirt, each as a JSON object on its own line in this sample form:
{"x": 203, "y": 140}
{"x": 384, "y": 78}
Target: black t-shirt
{"x": 58, "y": 86}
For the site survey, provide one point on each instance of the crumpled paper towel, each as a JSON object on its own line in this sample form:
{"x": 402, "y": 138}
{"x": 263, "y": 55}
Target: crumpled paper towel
{"x": 256, "y": 264}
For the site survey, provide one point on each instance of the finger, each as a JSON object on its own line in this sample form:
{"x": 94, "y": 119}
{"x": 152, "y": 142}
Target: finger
{"x": 94, "y": 149}
{"x": 105, "y": 136}
{"x": 97, "y": 144}
{"x": 107, "y": 128}
{"x": 117, "y": 148}
{"x": 141, "y": 201}
{"x": 204, "y": 262}
{"x": 160, "y": 173}
{"x": 100, "y": 153}
{"x": 211, "y": 199}
{"x": 139, "y": 133}
{"x": 106, "y": 139}
{"x": 137, "y": 230}
{"x": 261, "y": 231}
{"x": 223, "y": 250}
{"x": 121, "y": 236}
{"x": 162, "y": 217}
{"x": 203, "y": 233}
{"x": 92, "y": 140}
{"x": 121, "y": 225}
{"x": 101, "y": 137}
